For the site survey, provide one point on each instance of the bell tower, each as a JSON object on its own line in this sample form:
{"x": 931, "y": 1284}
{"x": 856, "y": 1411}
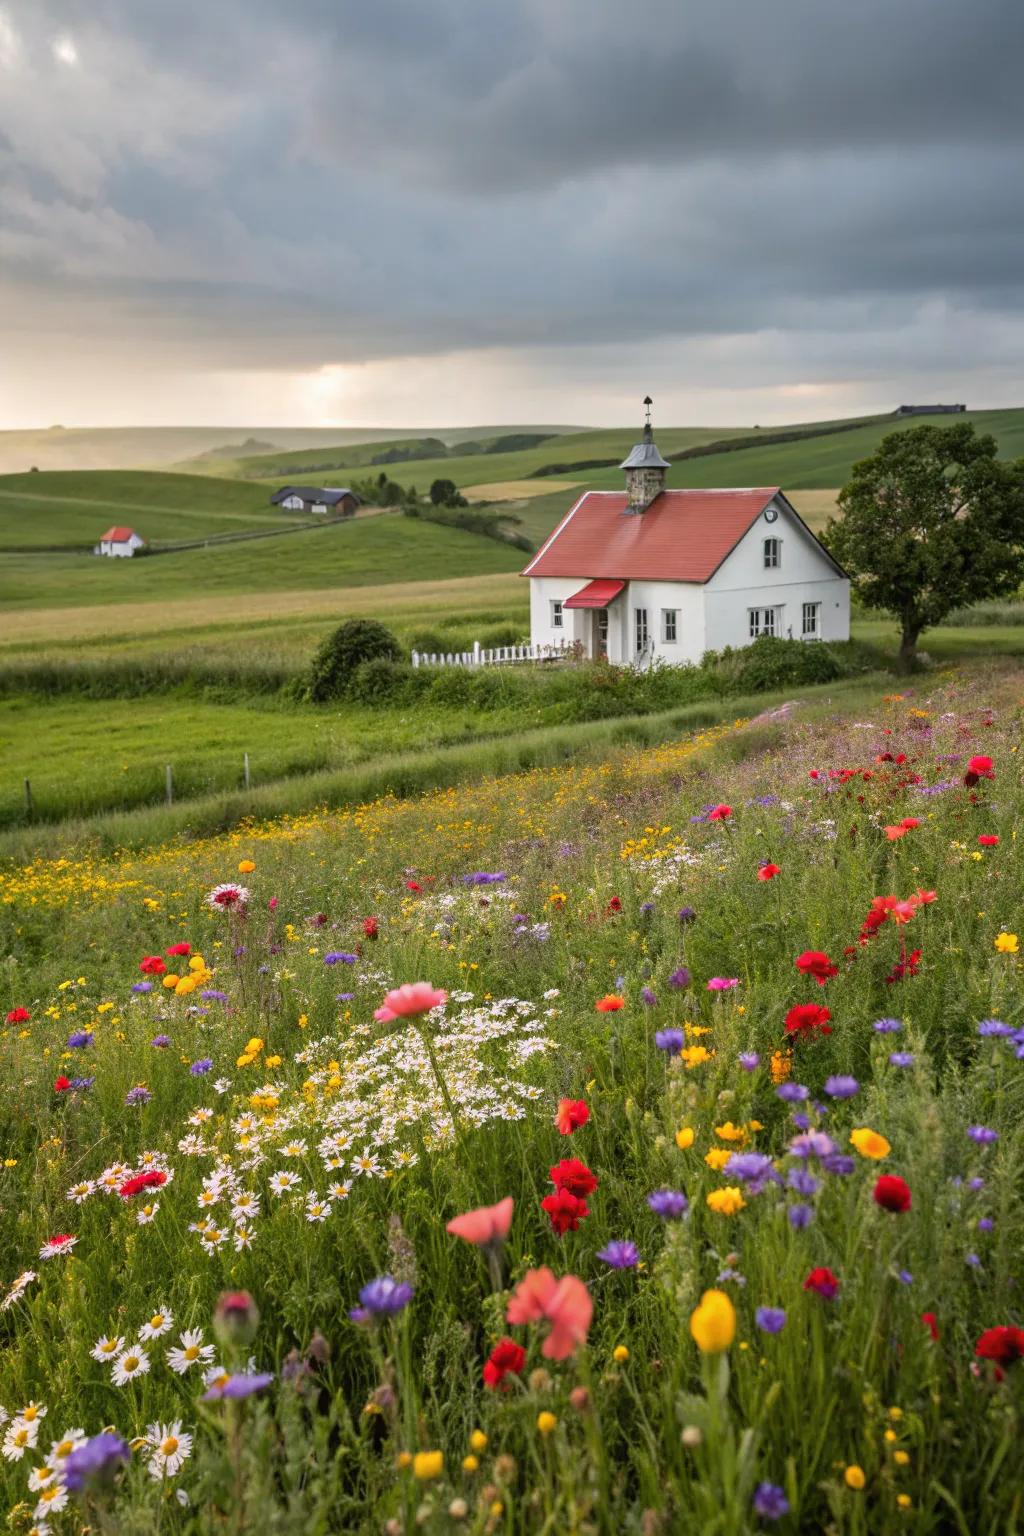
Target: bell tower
{"x": 645, "y": 468}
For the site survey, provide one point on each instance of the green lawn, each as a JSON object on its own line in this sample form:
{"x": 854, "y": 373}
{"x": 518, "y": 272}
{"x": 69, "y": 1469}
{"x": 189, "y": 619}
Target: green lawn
{"x": 387, "y": 548}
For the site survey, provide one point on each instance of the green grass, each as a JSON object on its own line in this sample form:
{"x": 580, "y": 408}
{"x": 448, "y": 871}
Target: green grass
{"x": 385, "y": 548}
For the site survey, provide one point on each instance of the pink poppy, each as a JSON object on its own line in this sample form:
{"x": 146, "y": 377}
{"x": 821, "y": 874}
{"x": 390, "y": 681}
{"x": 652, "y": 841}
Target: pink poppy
{"x": 565, "y": 1304}
{"x": 720, "y": 813}
{"x": 414, "y": 997}
{"x": 723, "y": 983}
{"x": 487, "y": 1224}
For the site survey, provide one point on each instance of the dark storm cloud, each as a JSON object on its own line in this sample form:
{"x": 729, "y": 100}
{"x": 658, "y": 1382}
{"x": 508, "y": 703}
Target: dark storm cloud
{"x": 284, "y": 183}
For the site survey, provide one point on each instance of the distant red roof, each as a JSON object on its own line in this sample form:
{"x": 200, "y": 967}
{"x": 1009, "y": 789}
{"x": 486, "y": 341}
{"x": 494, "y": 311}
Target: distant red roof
{"x": 116, "y": 535}
{"x": 682, "y": 536}
{"x": 596, "y": 594}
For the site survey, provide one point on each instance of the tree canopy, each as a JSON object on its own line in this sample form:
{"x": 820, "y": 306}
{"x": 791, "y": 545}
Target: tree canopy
{"x": 932, "y": 521}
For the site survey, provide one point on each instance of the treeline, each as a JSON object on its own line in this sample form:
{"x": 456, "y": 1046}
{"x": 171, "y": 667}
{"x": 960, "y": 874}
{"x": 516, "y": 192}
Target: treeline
{"x": 405, "y": 451}
{"x": 445, "y": 505}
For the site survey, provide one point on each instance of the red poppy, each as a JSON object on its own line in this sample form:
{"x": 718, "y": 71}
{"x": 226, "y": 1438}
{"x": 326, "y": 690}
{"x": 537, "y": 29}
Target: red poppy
{"x": 813, "y": 962}
{"x": 1003, "y": 1345}
{"x": 179, "y": 949}
{"x": 413, "y": 885}
{"x": 152, "y": 965}
{"x": 507, "y": 1358}
{"x": 924, "y": 898}
{"x": 808, "y": 1019}
{"x": 61, "y": 1084}
{"x": 574, "y": 1176}
{"x": 815, "y": 773}
{"x": 988, "y": 840}
{"x": 565, "y": 1210}
{"x": 571, "y": 1114}
{"x": 720, "y": 813}
{"x": 906, "y": 965}
{"x": 610, "y": 1004}
{"x": 18, "y": 1016}
{"x": 370, "y": 927}
{"x": 929, "y": 1320}
{"x": 615, "y": 905}
{"x": 769, "y": 871}
{"x": 978, "y": 768}
{"x": 824, "y": 1282}
{"x": 892, "y": 1193}
{"x": 152, "y": 1179}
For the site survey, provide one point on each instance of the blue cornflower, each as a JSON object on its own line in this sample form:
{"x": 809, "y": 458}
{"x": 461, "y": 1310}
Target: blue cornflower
{"x": 80, "y": 1040}
{"x": 670, "y": 1040}
{"x": 680, "y": 977}
{"x": 994, "y": 1027}
{"x": 161, "y": 1042}
{"x": 620, "y": 1254}
{"x": 792, "y": 1093}
{"x": 138, "y": 1095}
{"x": 838, "y": 1163}
{"x": 200, "y": 1068}
{"x": 982, "y": 1134}
{"x": 770, "y": 1502}
{"x": 338, "y": 957}
{"x": 383, "y": 1297}
{"x": 770, "y": 1319}
{"x": 800, "y": 1216}
{"x": 648, "y": 997}
{"x": 95, "y": 1462}
{"x": 749, "y": 1061}
{"x": 142, "y": 986}
{"x": 901, "y": 1058}
{"x": 670, "y": 1204}
{"x": 887, "y": 1026}
{"x": 841, "y": 1087}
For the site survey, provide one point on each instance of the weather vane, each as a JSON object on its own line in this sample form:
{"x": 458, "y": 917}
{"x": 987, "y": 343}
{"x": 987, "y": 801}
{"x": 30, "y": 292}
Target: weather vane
{"x": 648, "y": 402}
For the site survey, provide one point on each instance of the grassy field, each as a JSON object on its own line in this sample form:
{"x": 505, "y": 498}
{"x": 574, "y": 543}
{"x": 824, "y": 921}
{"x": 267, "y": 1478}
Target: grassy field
{"x": 747, "y": 1268}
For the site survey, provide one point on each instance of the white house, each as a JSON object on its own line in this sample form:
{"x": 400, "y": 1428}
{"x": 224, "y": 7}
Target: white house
{"x": 651, "y": 574}
{"x": 119, "y": 542}
{"x": 316, "y": 498}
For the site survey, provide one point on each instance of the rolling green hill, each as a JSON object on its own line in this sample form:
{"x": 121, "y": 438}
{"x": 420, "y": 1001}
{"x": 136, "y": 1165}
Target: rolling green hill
{"x": 361, "y": 552}
{"x": 73, "y": 507}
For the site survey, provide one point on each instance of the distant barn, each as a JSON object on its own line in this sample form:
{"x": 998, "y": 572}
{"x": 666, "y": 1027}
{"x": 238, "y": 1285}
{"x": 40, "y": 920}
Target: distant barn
{"x": 316, "y": 498}
{"x": 121, "y": 543}
{"x": 929, "y": 410}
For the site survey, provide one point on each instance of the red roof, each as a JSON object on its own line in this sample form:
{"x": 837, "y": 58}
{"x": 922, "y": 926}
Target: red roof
{"x": 682, "y": 536}
{"x": 596, "y": 594}
{"x": 116, "y": 535}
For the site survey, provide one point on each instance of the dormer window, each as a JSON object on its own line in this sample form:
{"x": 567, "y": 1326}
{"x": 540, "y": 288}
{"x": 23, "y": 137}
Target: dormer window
{"x": 772, "y": 554}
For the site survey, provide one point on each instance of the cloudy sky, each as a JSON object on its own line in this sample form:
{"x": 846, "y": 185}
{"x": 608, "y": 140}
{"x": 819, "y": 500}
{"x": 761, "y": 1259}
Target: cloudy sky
{"x": 432, "y": 212}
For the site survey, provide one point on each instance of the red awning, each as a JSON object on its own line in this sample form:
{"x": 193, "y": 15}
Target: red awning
{"x": 596, "y": 594}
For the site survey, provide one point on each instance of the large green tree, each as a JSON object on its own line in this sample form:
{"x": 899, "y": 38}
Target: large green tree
{"x": 931, "y": 522}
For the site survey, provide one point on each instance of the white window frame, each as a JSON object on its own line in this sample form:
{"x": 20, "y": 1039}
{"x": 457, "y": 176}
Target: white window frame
{"x": 557, "y": 613}
{"x": 764, "y": 621}
{"x": 812, "y": 611}
{"x": 772, "y": 552}
{"x": 670, "y": 626}
{"x": 641, "y": 630}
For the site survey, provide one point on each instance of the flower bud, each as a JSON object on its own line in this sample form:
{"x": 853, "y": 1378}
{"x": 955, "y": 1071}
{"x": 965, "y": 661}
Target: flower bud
{"x": 579, "y": 1400}
{"x": 692, "y": 1437}
{"x": 236, "y": 1318}
{"x": 458, "y": 1509}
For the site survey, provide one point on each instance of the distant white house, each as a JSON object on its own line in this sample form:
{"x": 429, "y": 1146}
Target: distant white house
{"x": 316, "y": 498}
{"x": 651, "y": 574}
{"x": 119, "y": 542}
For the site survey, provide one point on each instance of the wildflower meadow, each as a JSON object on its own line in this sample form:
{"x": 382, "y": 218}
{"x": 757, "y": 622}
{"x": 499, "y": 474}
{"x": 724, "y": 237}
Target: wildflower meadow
{"x": 630, "y": 1146}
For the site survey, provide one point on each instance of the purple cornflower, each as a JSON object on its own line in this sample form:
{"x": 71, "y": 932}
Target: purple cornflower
{"x": 648, "y": 997}
{"x": 687, "y": 914}
{"x": 95, "y": 1462}
{"x": 343, "y": 997}
{"x": 201, "y": 1067}
{"x": 161, "y": 1042}
{"x": 985, "y": 1224}
{"x": 841, "y": 1087}
{"x": 770, "y": 1502}
{"x": 80, "y": 1040}
{"x": 338, "y": 957}
{"x": 79, "y": 1084}
{"x": 887, "y": 1026}
{"x": 838, "y": 1163}
{"x": 680, "y": 977}
{"x": 800, "y": 1216}
{"x": 646, "y": 908}
{"x": 904, "y": 1277}
{"x": 138, "y": 1095}
{"x": 211, "y": 995}
{"x": 973, "y": 1260}
{"x": 620, "y": 1254}
{"x": 753, "y": 1169}
{"x": 235, "y": 1387}
{"x": 982, "y": 1134}
{"x": 670, "y": 1204}
{"x": 749, "y": 1061}
{"x": 383, "y": 1297}
{"x": 976, "y": 1184}
{"x": 483, "y": 877}
{"x": 801, "y": 1121}
{"x": 812, "y": 1144}
{"x": 770, "y": 1319}
{"x": 670, "y": 1040}
{"x": 994, "y": 1027}
{"x": 901, "y": 1058}
{"x": 792, "y": 1093}
{"x": 142, "y": 986}
{"x": 801, "y": 1182}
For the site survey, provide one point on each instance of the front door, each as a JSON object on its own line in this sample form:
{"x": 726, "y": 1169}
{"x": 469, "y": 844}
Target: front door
{"x": 601, "y": 634}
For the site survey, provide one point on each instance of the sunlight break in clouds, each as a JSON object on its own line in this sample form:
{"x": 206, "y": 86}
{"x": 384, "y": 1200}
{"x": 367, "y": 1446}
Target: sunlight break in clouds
{"x": 65, "y": 51}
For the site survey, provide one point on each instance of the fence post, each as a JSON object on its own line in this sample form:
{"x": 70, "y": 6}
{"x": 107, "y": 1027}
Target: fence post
{"x": 476, "y": 653}
{"x": 245, "y": 769}
{"x": 170, "y": 785}
{"x": 28, "y": 799}
{"x": 415, "y": 658}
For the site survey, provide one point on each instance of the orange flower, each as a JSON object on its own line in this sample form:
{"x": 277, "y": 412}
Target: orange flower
{"x": 565, "y": 1304}
{"x": 610, "y": 1003}
{"x": 487, "y": 1224}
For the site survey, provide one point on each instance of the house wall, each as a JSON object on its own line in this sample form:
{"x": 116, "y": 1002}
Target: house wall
{"x": 804, "y": 575}
{"x": 575, "y": 621}
{"x": 687, "y": 598}
{"x": 118, "y": 551}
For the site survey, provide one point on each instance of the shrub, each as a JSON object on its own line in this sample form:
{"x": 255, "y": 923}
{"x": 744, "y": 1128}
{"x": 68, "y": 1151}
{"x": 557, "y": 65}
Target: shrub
{"x": 351, "y": 644}
{"x": 381, "y": 680}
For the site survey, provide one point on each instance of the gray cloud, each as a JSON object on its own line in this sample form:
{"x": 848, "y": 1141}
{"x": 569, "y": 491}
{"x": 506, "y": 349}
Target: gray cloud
{"x": 282, "y": 184}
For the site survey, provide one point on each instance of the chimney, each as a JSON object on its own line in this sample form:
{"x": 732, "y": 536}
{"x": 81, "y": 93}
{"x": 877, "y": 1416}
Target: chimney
{"x": 645, "y": 468}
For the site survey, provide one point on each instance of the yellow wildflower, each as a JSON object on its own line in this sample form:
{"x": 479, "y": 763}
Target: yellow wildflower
{"x": 870, "y": 1143}
{"x": 726, "y": 1201}
{"x": 713, "y": 1323}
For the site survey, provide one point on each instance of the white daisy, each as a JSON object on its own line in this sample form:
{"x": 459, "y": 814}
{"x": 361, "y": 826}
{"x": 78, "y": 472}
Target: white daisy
{"x": 245, "y": 1204}
{"x": 133, "y": 1362}
{"x": 317, "y": 1210}
{"x": 60, "y": 1450}
{"x": 243, "y": 1238}
{"x": 282, "y": 1182}
{"x": 33, "y": 1411}
{"x": 51, "y": 1500}
{"x": 63, "y": 1242}
{"x": 42, "y": 1477}
{"x": 160, "y": 1322}
{"x": 18, "y": 1439}
{"x": 190, "y": 1351}
{"x": 107, "y": 1348}
{"x": 145, "y": 1213}
{"x": 18, "y": 1289}
{"x": 340, "y": 1191}
{"x": 172, "y": 1446}
{"x": 80, "y": 1192}
{"x": 207, "y": 1197}
{"x": 364, "y": 1164}
{"x": 213, "y": 1238}
{"x": 294, "y": 1149}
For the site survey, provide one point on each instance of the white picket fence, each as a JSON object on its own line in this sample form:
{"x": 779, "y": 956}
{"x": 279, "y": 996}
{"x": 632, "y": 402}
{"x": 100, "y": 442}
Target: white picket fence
{"x": 499, "y": 655}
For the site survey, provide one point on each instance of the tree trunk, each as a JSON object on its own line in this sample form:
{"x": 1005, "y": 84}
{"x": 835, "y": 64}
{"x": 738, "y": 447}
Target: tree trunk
{"x": 907, "y": 656}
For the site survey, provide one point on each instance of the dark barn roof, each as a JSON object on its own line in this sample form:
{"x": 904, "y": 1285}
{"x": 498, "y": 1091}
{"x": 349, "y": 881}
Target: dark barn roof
{"x": 327, "y": 496}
